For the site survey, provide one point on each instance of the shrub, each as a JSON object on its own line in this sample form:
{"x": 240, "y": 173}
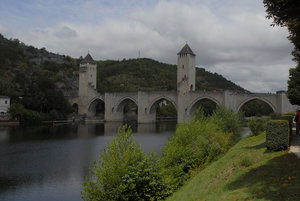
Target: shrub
{"x": 277, "y": 135}
{"x": 197, "y": 143}
{"x": 228, "y": 121}
{"x": 124, "y": 172}
{"x": 257, "y": 125}
{"x": 289, "y": 118}
{"x": 24, "y": 115}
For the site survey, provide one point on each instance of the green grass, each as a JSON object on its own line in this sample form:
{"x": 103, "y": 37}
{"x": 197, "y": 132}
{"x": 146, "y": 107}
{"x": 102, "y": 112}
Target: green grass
{"x": 247, "y": 172}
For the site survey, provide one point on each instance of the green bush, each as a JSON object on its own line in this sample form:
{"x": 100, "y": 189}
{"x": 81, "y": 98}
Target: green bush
{"x": 124, "y": 172}
{"x": 257, "y": 125}
{"x": 24, "y": 115}
{"x": 277, "y": 135}
{"x": 197, "y": 143}
{"x": 289, "y": 118}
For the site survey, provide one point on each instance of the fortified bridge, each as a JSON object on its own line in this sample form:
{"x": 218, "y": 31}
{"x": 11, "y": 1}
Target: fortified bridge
{"x": 185, "y": 99}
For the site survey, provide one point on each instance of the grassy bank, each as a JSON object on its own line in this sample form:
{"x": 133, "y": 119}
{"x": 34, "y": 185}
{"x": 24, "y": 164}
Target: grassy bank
{"x": 247, "y": 172}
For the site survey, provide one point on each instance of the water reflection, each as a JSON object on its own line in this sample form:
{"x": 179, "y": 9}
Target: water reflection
{"x": 46, "y": 163}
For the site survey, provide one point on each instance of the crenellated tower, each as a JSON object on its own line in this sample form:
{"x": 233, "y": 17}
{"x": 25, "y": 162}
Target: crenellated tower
{"x": 186, "y": 80}
{"x": 186, "y": 70}
{"x": 87, "y": 75}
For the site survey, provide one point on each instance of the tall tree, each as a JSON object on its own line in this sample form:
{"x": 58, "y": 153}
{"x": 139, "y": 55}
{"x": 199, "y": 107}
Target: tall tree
{"x": 287, "y": 13}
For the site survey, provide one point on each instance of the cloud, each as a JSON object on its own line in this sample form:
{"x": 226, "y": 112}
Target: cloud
{"x": 232, "y": 39}
{"x": 65, "y": 32}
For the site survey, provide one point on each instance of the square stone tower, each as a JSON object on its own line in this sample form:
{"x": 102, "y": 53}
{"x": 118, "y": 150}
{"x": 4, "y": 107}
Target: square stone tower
{"x": 186, "y": 80}
{"x": 186, "y": 71}
{"x": 87, "y": 75}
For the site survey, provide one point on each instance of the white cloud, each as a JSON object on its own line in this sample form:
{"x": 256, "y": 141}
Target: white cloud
{"x": 235, "y": 40}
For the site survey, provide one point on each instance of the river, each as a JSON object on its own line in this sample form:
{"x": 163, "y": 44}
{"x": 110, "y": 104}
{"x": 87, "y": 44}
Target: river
{"x": 43, "y": 163}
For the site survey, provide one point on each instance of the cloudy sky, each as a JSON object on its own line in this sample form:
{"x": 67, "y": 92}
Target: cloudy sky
{"x": 230, "y": 37}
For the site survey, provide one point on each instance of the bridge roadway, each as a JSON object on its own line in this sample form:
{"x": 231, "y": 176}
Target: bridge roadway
{"x": 147, "y": 102}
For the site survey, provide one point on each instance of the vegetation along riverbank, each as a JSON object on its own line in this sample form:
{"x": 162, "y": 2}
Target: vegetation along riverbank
{"x": 125, "y": 172}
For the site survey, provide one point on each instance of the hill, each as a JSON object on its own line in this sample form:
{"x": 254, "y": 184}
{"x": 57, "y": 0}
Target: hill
{"x": 22, "y": 66}
{"x": 247, "y": 172}
{"x": 150, "y": 75}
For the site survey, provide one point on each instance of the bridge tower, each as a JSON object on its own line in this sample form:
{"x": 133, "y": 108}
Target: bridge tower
{"x": 186, "y": 80}
{"x": 87, "y": 75}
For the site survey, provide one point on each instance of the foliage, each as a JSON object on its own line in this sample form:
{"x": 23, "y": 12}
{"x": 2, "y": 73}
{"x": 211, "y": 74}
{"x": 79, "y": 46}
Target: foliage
{"x": 289, "y": 118}
{"x": 294, "y": 85}
{"x": 149, "y": 75}
{"x": 166, "y": 110}
{"x": 17, "y": 111}
{"x": 277, "y": 137}
{"x": 196, "y": 144}
{"x": 227, "y": 120}
{"x": 124, "y": 172}
{"x": 246, "y": 172}
{"x": 257, "y": 125}
{"x": 286, "y": 13}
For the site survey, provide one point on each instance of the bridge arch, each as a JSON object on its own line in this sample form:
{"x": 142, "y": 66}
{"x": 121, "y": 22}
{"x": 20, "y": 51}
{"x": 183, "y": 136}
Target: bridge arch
{"x": 96, "y": 107}
{"x": 256, "y": 98}
{"x": 75, "y": 107}
{"x": 195, "y": 104}
{"x": 122, "y": 102}
{"x": 154, "y": 104}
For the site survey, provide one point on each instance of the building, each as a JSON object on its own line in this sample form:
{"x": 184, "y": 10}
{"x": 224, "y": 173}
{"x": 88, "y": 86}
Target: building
{"x": 4, "y": 106}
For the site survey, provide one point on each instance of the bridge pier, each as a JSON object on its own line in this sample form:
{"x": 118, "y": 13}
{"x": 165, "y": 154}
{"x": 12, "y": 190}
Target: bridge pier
{"x": 144, "y": 110}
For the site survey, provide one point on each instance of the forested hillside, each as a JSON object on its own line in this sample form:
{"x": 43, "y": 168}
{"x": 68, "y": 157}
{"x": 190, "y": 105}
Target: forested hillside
{"x": 38, "y": 79}
{"x": 147, "y": 74}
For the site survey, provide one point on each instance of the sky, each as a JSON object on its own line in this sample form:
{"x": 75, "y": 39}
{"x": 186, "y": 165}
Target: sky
{"x": 232, "y": 38}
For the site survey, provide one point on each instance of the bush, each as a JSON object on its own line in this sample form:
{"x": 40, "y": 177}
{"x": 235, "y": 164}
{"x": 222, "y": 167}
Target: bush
{"x": 24, "y": 115}
{"x": 197, "y": 143}
{"x": 289, "y": 118}
{"x": 277, "y": 135}
{"x": 228, "y": 121}
{"x": 257, "y": 125}
{"x": 124, "y": 172}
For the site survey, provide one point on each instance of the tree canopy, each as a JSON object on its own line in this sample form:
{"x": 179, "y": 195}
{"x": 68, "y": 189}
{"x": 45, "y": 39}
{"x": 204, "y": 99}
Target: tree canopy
{"x": 286, "y": 13}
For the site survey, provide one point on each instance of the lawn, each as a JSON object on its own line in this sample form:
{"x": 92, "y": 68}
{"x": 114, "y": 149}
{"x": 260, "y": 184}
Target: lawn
{"x": 247, "y": 172}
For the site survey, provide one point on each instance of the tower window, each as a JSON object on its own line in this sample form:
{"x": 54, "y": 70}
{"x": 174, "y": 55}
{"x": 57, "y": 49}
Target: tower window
{"x": 182, "y": 66}
{"x": 191, "y": 87}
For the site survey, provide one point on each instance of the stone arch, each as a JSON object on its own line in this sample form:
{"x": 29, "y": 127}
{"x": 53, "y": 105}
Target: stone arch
{"x": 75, "y": 107}
{"x": 96, "y": 108}
{"x": 156, "y": 101}
{"x": 197, "y": 102}
{"x": 256, "y": 98}
{"x": 121, "y": 103}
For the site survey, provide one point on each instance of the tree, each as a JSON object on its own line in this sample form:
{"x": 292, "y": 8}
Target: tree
{"x": 124, "y": 172}
{"x": 287, "y": 13}
{"x": 294, "y": 86}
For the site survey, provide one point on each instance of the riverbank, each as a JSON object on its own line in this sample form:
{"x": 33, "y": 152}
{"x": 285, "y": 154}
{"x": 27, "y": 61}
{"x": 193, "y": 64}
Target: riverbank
{"x": 247, "y": 172}
{"x": 9, "y": 123}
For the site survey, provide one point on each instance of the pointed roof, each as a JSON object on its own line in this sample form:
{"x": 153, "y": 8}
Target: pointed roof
{"x": 186, "y": 50}
{"x": 88, "y": 59}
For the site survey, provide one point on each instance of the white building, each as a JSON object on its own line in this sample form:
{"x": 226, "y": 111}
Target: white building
{"x": 4, "y": 105}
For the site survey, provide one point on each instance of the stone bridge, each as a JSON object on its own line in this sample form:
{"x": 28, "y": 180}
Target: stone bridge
{"x": 147, "y": 102}
{"x": 185, "y": 99}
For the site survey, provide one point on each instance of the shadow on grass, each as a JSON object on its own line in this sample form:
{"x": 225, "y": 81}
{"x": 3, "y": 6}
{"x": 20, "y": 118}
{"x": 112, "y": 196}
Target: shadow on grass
{"x": 259, "y": 146}
{"x": 279, "y": 179}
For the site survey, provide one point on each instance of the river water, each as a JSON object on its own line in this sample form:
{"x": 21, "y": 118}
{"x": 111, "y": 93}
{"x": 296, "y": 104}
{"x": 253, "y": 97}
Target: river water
{"x": 42, "y": 163}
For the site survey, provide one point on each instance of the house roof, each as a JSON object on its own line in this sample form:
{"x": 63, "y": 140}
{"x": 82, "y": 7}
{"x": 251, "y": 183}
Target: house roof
{"x": 88, "y": 59}
{"x": 4, "y": 97}
{"x": 186, "y": 50}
